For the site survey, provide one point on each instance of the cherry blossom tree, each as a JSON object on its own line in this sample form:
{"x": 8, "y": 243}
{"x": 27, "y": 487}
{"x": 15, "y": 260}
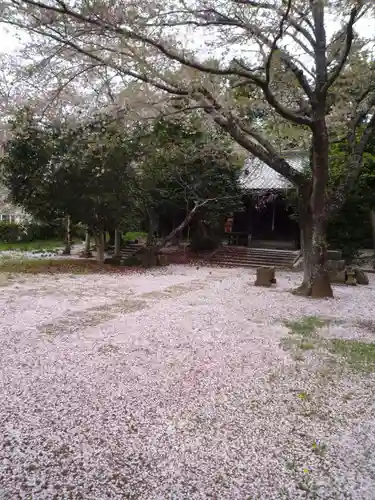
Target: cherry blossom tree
{"x": 301, "y": 64}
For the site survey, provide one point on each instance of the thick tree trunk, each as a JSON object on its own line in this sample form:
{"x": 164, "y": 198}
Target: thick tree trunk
{"x": 100, "y": 246}
{"x": 372, "y": 218}
{"x": 68, "y": 241}
{"x": 306, "y": 227}
{"x": 320, "y": 282}
{"x": 305, "y": 221}
{"x": 307, "y": 254}
{"x": 117, "y": 243}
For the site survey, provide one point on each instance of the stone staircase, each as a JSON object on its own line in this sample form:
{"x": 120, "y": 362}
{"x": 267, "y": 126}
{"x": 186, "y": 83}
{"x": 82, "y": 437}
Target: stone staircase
{"x": 229, "y": 256}
{"x": 127, "y": 250}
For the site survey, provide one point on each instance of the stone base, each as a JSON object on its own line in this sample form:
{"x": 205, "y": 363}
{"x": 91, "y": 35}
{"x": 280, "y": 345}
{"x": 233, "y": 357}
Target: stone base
{"x": 265, "y": 276}
{"x": 349, "y": 276}
{"x": 338, "y": 278}
{"x": 361, "y": 277}
{"x": 148, "y": 258}
{"x": 162, "y": 260}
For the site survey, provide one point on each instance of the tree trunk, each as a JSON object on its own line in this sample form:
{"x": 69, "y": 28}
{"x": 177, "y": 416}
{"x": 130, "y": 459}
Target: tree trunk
{"x": 320, "y": 282}
{"x": 305, "y": 222}
{"x": 313, "y": 220}
{"x": 181, "y": 226}
{"x": 152, "y": 227}
{"x": 117, "y": 251}
{"x": 86, "y": 250}
{"x": 306, "y": 228}
{"x": 68, "y": 241}
{"x": 319, "y": 285}
{"x": 100, "y": 246}
{"x": 372, "y": 215}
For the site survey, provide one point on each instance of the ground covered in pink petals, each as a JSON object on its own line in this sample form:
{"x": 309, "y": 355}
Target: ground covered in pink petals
{"x": 184, "y": 383}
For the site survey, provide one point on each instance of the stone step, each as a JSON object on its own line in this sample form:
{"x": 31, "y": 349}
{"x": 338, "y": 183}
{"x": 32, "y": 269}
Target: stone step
{"x": 250, "y": 257}
{"x": 259, "y": 262}
{"x": 251, "y": 253}
{"x": 281, "y": 258}
{"x": 250, "y": 265}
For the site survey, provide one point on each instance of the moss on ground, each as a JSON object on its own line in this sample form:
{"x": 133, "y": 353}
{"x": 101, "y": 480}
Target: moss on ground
{"x": 359, "y": 355}
{"x": 306, "y": 326}
{"x": 57, "y": 266}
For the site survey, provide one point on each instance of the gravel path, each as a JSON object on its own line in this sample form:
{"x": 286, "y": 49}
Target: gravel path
{"x": 178, "y": 384}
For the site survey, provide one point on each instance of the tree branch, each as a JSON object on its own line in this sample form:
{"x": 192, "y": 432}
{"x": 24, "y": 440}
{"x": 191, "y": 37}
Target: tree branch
{"x": 346, "y": 49}
{"x": 279, "y": 35}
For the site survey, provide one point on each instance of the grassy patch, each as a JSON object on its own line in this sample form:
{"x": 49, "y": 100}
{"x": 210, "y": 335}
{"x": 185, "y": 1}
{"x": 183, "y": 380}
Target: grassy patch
{"x": 135, "y": 235}
{"x": 306, "y": 346}
{"x": 29, "y": 246}
{"x": 63, "y": 266}
{"x": 305, "y": 326}
{"x": 358, "y": 355}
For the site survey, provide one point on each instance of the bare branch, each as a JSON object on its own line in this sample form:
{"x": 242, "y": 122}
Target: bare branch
{"x": 346, "y": 49}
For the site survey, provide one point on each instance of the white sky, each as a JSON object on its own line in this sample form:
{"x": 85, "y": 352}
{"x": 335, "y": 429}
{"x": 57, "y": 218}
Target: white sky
{"x": 12, "y": 39}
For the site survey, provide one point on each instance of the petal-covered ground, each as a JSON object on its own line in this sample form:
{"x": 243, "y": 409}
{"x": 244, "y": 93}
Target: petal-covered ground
{"x": 184, "y": 383}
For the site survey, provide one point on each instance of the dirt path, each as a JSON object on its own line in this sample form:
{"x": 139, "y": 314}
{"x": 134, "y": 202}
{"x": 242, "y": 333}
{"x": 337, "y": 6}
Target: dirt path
{"x": 184, "y": 384}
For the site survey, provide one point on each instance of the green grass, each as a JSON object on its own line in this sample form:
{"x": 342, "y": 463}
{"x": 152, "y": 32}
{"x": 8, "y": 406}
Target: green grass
{"x": 135, "y": 235}
{"x": 359, "y": 355}
{"x": 306, "y": 346}
{"x": 58, "y": 266}
{"x": 306, "y": 326}
{"x": 29, "y": 246}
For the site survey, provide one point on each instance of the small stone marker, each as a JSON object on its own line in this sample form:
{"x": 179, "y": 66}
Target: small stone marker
{"x": 338, "y": 277}
{"x": 350, "y": 278}
{"x": 265, "y": 276}
{"x": 162, "y": 260}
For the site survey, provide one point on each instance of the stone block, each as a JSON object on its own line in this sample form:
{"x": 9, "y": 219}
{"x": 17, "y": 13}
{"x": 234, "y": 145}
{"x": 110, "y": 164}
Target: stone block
{"x": 335, "y": 265}
{"x": 265, "y": 276}
{"x": 337, "y": 277}
{"x": 361, "y": 277}
{"x": 334, "y": 255}
{"x": 162, "y": 260}
{"x": 148, "y": 258}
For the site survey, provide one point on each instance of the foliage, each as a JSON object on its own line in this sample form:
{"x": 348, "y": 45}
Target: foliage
{"x": 306, "y": 326}
{"x": 105, "y": 176}
{"x": 10, "y": 232}
{"x": 311, "y": 83}
{"x": 359, "y": 355}
{"x": 350, "y": 230}
{"x": 26, "y": 169}
{"x": 132, "y": 261}
{"x": 184, "y": 165}
{"x": 33, "y": 246}
{"x": 78, "y": 171}
{"x": 135, "y": 235}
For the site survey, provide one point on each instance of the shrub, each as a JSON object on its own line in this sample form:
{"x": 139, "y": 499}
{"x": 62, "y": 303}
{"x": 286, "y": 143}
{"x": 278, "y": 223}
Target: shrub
{"x": 132, "y": 261}
{"x": 10, "y": 232}
{"x": 135, "y": 235}
{"x": 201, "y": 243}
